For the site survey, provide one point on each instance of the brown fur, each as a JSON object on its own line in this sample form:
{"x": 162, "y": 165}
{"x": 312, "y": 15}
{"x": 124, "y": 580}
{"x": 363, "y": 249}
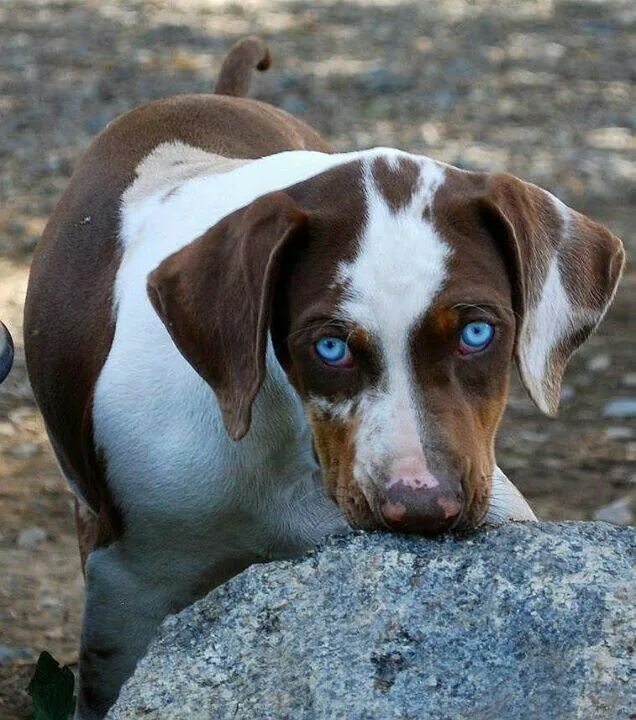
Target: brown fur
{"x": 334, "y": 442}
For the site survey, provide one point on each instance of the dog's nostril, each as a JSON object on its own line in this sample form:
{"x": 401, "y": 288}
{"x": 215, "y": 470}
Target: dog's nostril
{"x": 450, "y": 506}
{"x": 393, "y": 512}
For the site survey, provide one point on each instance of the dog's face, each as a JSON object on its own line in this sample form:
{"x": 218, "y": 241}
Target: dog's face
{"x": 397, "y": 292}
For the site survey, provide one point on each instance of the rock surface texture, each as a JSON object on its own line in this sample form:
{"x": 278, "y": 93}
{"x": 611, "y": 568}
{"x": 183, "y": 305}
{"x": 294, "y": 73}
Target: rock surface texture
{"x": 527, "y": 621}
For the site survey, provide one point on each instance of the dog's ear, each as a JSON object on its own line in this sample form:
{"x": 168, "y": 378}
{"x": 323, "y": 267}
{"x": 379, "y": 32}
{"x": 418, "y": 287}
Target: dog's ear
{"x": 215, "y": 298}
{"x": 565, "y": 272}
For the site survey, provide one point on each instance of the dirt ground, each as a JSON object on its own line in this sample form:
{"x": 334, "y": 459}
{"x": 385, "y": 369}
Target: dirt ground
{"x": 541, "y": 88}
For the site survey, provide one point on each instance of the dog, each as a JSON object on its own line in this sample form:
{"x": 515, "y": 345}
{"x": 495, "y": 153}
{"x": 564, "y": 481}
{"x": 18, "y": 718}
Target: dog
{"x": 241, "y": 342}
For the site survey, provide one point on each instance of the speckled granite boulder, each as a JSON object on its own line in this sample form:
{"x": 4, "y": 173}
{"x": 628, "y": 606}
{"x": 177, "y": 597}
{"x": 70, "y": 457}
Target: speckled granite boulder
{"x": 531, "y": 621}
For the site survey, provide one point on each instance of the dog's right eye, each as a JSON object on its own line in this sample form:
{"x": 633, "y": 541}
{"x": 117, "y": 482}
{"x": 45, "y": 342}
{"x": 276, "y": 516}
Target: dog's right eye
{"x": 334, "y": 351}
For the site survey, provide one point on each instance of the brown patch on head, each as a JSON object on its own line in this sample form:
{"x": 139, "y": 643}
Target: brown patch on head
{"x": 463, "y": 396}
{"x": 506, "y": 236}
{"x": 397, "y": 180}
{"x": 311, "y": 292}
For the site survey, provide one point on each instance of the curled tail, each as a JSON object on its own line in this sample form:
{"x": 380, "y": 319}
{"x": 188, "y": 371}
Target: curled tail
{"x": 236, "y": 72}
{"x": 6, "y": 352}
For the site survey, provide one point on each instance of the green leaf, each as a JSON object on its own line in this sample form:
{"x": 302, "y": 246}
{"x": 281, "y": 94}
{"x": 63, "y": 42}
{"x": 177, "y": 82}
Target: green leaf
{"x": 51, "y": 689}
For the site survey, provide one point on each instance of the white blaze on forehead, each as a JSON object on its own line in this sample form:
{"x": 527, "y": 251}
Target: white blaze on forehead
{"x": 401, "y": 262}
{"x": 400, "y": 267}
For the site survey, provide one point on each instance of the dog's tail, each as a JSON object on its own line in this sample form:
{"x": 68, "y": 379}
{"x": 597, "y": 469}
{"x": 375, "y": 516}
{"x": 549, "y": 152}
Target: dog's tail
{"x": 6, "y": 352}
{"x": 236, "y": 72}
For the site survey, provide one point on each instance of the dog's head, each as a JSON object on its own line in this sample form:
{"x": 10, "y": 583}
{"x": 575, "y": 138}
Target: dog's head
{"x": 397, "y": 292}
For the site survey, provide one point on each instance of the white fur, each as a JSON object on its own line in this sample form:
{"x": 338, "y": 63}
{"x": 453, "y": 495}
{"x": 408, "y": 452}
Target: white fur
{"x": 506, "y": 502}
{"x": 545, "y": 326}
{"x": 400, "y": 267}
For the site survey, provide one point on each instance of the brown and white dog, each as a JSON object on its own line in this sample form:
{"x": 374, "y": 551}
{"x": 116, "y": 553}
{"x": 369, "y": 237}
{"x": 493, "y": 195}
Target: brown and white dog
{"x": 241, "y": 342}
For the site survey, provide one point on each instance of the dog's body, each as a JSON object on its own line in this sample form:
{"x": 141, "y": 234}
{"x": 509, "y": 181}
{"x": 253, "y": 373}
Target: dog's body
{"x": 156, "y": 316}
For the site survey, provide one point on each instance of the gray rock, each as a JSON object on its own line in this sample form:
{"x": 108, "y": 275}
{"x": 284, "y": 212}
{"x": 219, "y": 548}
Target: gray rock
{"x": 526, "y": 621}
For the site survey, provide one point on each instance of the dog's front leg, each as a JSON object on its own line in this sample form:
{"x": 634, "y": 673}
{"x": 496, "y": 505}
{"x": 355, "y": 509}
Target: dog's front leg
{"x": 506, "y": 502}
{"x": 122, "y": 611}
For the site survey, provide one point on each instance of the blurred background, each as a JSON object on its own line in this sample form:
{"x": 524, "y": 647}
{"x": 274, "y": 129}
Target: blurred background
{"x": 541, "y": 88}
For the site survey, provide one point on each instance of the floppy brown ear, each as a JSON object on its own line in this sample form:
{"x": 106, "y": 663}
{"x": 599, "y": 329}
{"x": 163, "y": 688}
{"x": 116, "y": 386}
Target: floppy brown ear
{"x": 215, "y": 295}
{"x": 567, "y": 268}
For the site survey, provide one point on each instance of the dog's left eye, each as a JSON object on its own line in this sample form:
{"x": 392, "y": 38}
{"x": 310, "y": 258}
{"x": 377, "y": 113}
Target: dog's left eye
{"x": 334, "y": 351}
{"x": 475, "y": 336}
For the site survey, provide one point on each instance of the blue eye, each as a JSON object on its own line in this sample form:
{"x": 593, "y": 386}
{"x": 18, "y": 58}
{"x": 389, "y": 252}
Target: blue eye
{"x": 475, "y": 336}
{"x": 334, "y": 351}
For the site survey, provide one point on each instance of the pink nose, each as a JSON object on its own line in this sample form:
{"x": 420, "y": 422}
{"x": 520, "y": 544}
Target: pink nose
{"x": 416, "y": 501}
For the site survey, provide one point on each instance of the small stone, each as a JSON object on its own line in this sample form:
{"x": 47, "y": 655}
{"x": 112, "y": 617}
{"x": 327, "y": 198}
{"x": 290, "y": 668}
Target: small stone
{"x": 620, "y": 408}
{"x": 567, "y": 393}
{"x": 7, "y": 429}
{"x": 629, "y": 380}
{"x": 598, "y": 363}
{"x": 20, "y": 414}
{"x": 618, "y": 512}
{"x": 24, "y": 450}
{"x": 619, "y": 433}
{"x": 31, "y": 537}
{"x": 54, "y": 633}
{"x": 49, "y": 602}
{"x": 10, "y": 654}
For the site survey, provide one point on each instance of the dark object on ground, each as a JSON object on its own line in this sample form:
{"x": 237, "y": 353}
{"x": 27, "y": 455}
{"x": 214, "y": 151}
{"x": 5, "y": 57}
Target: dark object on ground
{"x": 51, "y": 689}
{"x": 6, "y": 351}
{"x": 524, "y": 621}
